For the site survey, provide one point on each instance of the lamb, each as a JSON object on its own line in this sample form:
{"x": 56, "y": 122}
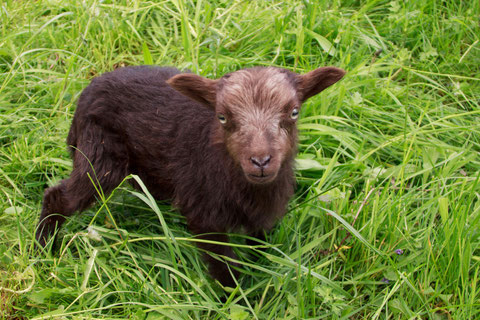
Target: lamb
{"x": 222, "y": 150}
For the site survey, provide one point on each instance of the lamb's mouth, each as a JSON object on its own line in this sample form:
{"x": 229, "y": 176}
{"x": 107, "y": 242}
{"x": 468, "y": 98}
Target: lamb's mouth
{"x": 260, "y": 179}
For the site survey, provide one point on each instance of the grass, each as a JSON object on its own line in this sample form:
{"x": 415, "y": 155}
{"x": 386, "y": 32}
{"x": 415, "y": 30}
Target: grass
{"x": 385, "y": 220}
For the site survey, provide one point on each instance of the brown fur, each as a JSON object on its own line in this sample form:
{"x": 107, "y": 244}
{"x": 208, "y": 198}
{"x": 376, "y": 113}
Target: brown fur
{"x": 222, "y": 177}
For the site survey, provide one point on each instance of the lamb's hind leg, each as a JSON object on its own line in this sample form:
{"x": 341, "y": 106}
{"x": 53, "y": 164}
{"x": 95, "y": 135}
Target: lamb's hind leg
{"x": 53, "y": 213}
{"x": 108, "y": 158}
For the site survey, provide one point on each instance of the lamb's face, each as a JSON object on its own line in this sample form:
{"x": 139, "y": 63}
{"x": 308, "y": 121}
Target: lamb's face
{"x": 257, "y": 110}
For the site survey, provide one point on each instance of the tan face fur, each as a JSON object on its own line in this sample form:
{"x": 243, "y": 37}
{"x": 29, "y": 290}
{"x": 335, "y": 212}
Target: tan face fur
{"x": 259, "y": 131}
{"x": 256, "y": 110}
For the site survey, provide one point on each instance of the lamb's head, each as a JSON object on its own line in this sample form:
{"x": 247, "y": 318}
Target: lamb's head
{"x": 256, "y": 112}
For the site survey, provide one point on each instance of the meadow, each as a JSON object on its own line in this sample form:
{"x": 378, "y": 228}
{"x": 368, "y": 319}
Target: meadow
{"x": 385, "y": 220}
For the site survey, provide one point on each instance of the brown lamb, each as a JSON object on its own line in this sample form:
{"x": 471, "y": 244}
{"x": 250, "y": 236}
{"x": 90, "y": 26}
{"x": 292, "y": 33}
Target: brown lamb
{"x": 222, "y": 150}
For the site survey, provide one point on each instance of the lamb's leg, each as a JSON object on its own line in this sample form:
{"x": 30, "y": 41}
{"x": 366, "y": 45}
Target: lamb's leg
{"x": 53, "y": 213}
{"x": 220, "y": 270}
{"x": 257, "y": 238}
{"x": 108, "y": 159}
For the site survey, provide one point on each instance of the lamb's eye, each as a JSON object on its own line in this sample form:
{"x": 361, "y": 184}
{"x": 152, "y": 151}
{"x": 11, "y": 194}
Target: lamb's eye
{"x": 294, "y": 114}
{"x": 222, "y": 118}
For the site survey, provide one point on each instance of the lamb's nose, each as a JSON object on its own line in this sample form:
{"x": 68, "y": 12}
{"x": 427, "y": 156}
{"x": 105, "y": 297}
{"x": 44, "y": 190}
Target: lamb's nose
{"x": 260, "y": 162}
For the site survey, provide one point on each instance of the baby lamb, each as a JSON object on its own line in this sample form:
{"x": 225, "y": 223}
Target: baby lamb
{"x": 222, "y": 150}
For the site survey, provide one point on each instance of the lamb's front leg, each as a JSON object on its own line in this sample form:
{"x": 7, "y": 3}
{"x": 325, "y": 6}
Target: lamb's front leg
{"x": 220, "y": 270}
{"x": 257, "y": 238}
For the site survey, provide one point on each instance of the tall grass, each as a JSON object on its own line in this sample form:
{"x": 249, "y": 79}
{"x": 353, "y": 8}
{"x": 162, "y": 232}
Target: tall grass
{"x": 385, "y": 221}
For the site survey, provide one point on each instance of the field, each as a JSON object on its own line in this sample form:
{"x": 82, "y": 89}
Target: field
{"x": 385, "y": 220}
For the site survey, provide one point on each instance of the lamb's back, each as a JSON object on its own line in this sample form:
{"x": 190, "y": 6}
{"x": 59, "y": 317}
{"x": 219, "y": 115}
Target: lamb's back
{"x": 154, "y": 122}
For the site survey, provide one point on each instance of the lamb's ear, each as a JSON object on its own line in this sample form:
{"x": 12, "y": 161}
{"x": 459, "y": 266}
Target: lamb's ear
{"x": 316, "y": 81}
{"x": 198, "y": 88}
